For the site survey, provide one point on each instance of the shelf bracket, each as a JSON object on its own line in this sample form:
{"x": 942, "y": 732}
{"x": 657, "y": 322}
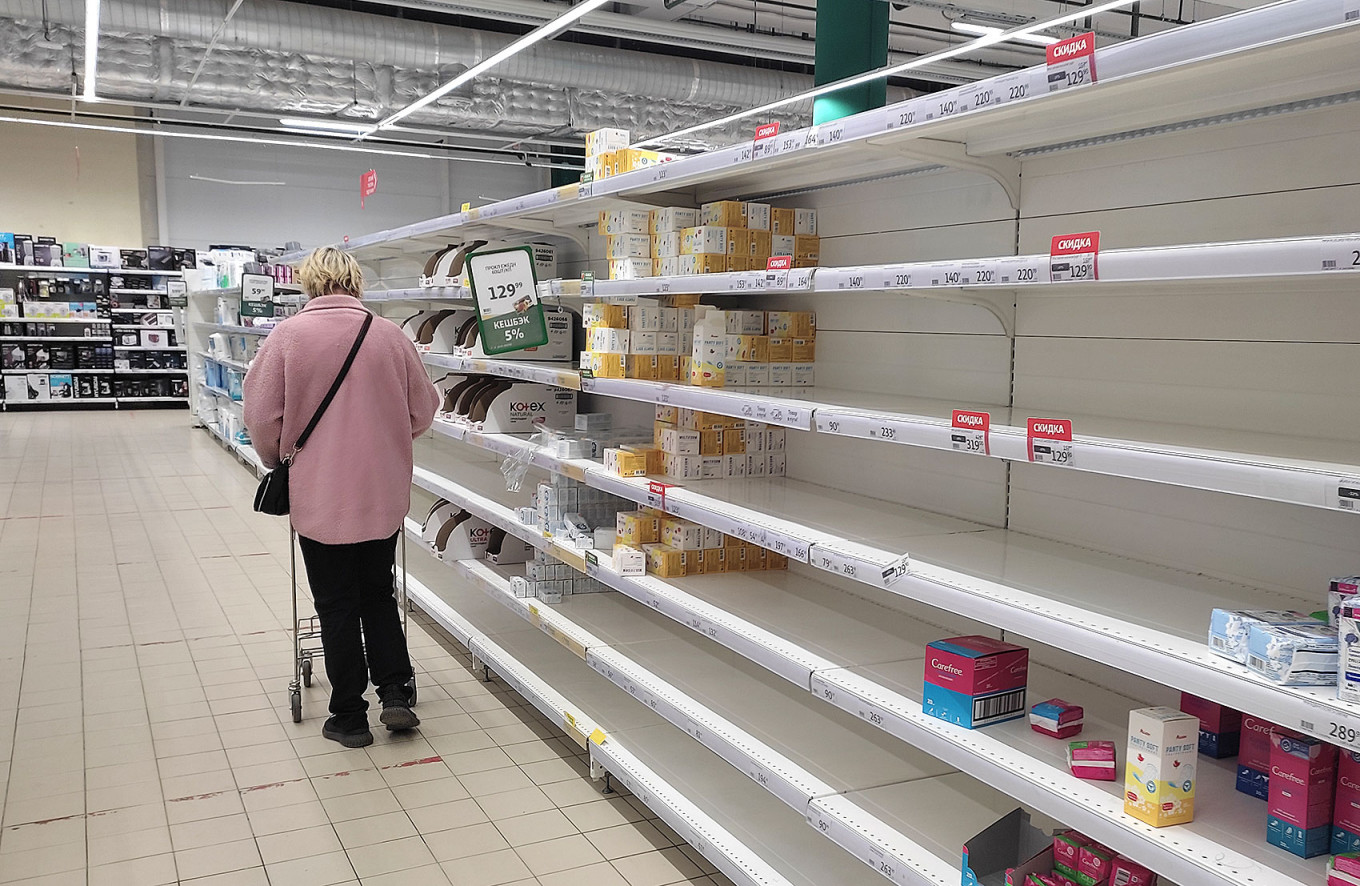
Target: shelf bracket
{"x": 1000, "y": 303}
{"x": 1002, "y": 169}
{"x": 538, "y": 227}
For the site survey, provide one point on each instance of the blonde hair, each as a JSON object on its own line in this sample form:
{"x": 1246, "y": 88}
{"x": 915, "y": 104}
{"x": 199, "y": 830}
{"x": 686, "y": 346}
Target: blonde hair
{"x": 328, "y": 271}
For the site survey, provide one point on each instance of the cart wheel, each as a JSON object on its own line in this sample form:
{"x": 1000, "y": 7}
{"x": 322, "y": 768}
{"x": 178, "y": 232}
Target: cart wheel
{"x": 411, "y": 686}
{"x": 295, "y": 702}
{"x": 307, "y": 672}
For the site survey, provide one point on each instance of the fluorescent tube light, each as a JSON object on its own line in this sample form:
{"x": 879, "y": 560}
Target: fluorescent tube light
{"x": 91, "y": 48}
{"x": 562, "y": 22}
{"x": 313, "y": 125}
{"x": 988, "y": 30}
{"x": 878, "y": 74}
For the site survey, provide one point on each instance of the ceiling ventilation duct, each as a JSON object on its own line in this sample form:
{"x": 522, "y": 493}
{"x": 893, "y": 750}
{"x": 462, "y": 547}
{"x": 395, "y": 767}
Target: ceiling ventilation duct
{"x": 308, "y": 60}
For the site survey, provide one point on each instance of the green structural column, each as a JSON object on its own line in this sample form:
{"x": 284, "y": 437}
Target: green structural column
{"x": 852, "y": 37}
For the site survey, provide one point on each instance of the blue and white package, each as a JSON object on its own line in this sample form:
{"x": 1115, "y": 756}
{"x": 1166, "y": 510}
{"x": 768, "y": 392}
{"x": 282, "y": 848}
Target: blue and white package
{"x": 1348, "y": 667}
{"x": 1294, "y": 655}
{"x": 1229, "y": 628}
{"x": 1339, "y": 591}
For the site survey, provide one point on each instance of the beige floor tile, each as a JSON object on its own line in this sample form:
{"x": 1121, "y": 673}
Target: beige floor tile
{"x": 246, "y": 877}
{"x": 375, "y": 829}
{"x": 44, "y": 860}
{"x": 389, "y": 857}
{"x": 38, "y": 836}
{"x": 569, "y": 793}
{"x": 199, "y": 808}
{"x": 606, "y": 812}
{"x": 352, "y": 806}
{"x": 536, "y": 827}
{"x": 126, "y": 820}
{"x": 495, "y": 781}
{"x": 657, "y": 868}
{"x": 429, "y": 875}
{"x": 471, "y": 762}
{"x": 476, "y": 839}
{"x": 218, "y": 858}
{"x": 196, "y": 834}
{"x": 489, "y": 869}
{"x": 288, "y": 845}
{"x": 355, "y": 781}
{"x": 403, "y": 751}
{"x": 591, "y": 875}
{"x": 561, "y": 854}
{"x": 444, "y": 816}
{"x": 315, "y": 870}
{"x": 282, "y": 819}
{"x": 275, "y": 796}
{"x": 513, "y": 803}
{"x": 430, "y": 793}
{"x": 124, "y": 847}
{"x": 628, "y": 839}
{"x": 553, "y": 771}
{"x": 158, "y": 870}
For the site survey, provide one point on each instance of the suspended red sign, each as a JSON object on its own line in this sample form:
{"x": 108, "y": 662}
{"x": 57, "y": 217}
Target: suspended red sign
{"x": 368, "y": 186}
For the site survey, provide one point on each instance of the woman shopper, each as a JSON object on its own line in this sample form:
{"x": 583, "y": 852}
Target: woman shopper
{"x": 351, "y": 488}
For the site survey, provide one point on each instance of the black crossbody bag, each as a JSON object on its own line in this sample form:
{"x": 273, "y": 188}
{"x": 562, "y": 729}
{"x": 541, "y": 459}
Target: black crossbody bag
{"x": 272, "y": 495}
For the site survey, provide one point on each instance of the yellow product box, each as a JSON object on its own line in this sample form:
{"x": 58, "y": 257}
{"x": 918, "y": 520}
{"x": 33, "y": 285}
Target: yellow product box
{"x": 804, "y": 350}
{"x": 757, "y": 558}
{"x": 628, "y": 246}
{"x": 780, "y": 350}
{"x": 727, "y": 213}
{"x": 806, "y": 261}
{"x": 738, "y": 243}
{"x": 606, "y": 340}
{"x": 753, "y": 348}
{"x": 604, "y": 314}
{"x": 737, "y": 263}
{"x": 642, "y": 366}
{"x": 631, "y": 268}
{"x": 704, "y": 240}
{"x": 807, "y": 252}
{"x": 758, "y": 216}
{"x": 665, "y": 561}
{"x": 624, "y": 463}
{"x": 776, "y": 561}
{"x": 702, "y": 264}
{"x": 667, "y": 413}
{"x": 711, "y": 442}
{"x": 601, "y": 140}
{"x": 698, "y": 420}
{"x": 636, "y": 528}
{"x": 607, "y": 365}
{"x": 624, "y": 221}
{"x": 733, "y": 441}
{"x": 668, "y": 367}
{"x": 629, "y": 159}
{"x": 681, "y": 534}
{"x": 759, "y": 243}
{"x": 791, "y": 324}
{"x": 667, "y": 245}
{"x": 781, "y": 221}
{"x": 673, "y": 219}
{"x": 1159, "y": 772}
{"x": 658, "y": 429}
{"x": 715, "y": 560}
{"x": 685, "y": 360}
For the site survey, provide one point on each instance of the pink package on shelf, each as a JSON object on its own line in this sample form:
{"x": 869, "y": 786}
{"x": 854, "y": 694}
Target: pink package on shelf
{"x": 1092, "y": 760}
{"x": 1093, "y": 862}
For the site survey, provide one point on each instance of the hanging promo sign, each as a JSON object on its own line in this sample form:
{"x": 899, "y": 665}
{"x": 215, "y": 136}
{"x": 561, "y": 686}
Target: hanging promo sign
{"x": 257, "y": 295}
{"x": 177, "y": 293}
{"x": 1050, "y": 441}
{"x": 506, "y": 293}
{"x": 368, "y": 186}
{"x": 971, "y": 432}
{"x": 1072, "y": 62}
{"x": 1072, "y": 258}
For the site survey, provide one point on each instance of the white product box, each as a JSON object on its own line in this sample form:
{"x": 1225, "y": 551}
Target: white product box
{"x": 608, "y": 341}
{"x": 733, "y": 347}
{"x": 1348, "y": 629}
{"x": 520, "y": 586}
{"x": 750, "y": 322}
{"x": 677, "y": 442}
{"x": 629, "y": 560}
{"x": 684, "y": 467}
{"x": 704, "y": 240}
{"x": 645, "y": 316}
{"x": 625, "y": 221}
{"x": 628, "y": 246}
{"x": 155, "y": 338}
{"x": 685, "y": 318}
{"x": 758, "y": 216}
{"x": 673, "y": 219}
{"x": 782, "y": 244}
{"x": 682, "y": 534}
{"x": 805, "y": 222}
{"x": 712, "y": 467}
{"x": 781, "y": 375}
{"x": 630, "y": 268}
{"x": 644, "y": 343}
{"x": 526, "y": 407}
{"x": 600, "y": 141}
{"x": 756, "y": 440}
{"x": 774, "y": 439}
{"x": 666, "y": 245}
{"x": 736, "y": 376}
{"x": 670, "y": 320}
{"x": 804, "y": 375}
{"x": 667, "y": 342}
{"x": 758, "y": 465}
{"x": 734, "y": 465}
{"x": 713, "y": 538}
{"x": 757, "y": 375}
{"x": 778, "y": 463}
{"x": 670, "y": 266}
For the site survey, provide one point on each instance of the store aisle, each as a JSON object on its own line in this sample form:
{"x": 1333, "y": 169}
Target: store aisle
{"x": 144, "y": 730}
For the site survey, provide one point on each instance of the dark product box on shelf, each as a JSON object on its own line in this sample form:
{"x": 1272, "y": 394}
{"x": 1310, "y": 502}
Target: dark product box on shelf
{"x": 105, "y": 384}
{"x": 39, "y": 387}
{"x": 183, "y": 259}
{"x": 975, "y": 681}
{"x": 179, "y": 387}
{"x": 23, "y": 249}
{"x": 38, "y": 356}
{"x": 13, "y": 356}
{"x": 46, "y": 252}
{"x": 1346, "y": 811}
{"x": 1220, "y": 727}
{"x": 160, "y": 258}
{"x": 85, "y": 357}
{"x": 85, "y": 386}
{"x": 1006, "y": 852}
{"x": 60, "y": 387}
{"x": 134, "y": 259}
{"x": 63, "y": 357}
{"x": 127, "y": 339}
{"x": 1302, "y": 789}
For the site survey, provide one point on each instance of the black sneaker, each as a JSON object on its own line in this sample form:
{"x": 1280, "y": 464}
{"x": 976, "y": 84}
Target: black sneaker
{"x": 360, "y": 737}
{"x": 396, "y": 709}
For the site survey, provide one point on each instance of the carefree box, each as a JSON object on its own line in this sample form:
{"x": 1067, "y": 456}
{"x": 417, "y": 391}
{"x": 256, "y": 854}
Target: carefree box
{"x": 975, "y": 681}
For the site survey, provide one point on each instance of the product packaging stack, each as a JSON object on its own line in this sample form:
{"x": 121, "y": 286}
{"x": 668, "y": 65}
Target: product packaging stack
{"x": 729, "y": 235}
{"x": 643, "y": 341}
{"x": 698, "y": 445}
{"x": 1081, "y": 861}
{"x": 673, "y": 548}
{"x": 571, "y": 512}
{"x": 608, "y": 154}
{"x": 550, "y": 580}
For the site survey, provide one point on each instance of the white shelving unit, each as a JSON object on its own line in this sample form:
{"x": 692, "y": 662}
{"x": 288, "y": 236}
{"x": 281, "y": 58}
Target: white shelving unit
{"x": 1212, "y": 461}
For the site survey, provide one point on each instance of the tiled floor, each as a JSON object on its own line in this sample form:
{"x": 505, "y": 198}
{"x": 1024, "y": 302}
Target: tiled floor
{"x": 144, "y": 731}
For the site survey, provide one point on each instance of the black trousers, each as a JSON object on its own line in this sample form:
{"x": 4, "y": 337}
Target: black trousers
{"x": 357, "y": 607}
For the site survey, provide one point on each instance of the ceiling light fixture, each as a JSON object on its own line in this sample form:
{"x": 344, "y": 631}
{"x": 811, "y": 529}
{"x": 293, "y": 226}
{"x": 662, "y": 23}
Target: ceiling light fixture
{"x": 879, "y": 73}
{"x": 91, "y": 48}
{"x": 988, "y": 30}
{"x": 546, "y": 31}
{"x": 316, "y": 125}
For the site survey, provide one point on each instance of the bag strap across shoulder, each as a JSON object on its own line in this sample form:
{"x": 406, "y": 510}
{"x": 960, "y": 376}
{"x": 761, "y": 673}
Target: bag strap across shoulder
{"x": 335, "y": 386}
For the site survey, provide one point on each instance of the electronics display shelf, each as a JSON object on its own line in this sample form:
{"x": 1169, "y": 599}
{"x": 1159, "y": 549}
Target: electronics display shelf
{"x": 154, "y": 372}
{"x": 1203, "y": 70}
{"x": 138, "y": 326}
{"x": 234, "y": 364}
{"x": 137, "y": 292}
{"x": 59, "y": 269}
{"x": 133, "y": 309}
{"x": 142, "y": 348}
{"x": 1139, "y": 617}
{"x": 244, "y": 453}
{"x": 83, "y": 320}
{"x": 132, "y": 400}
{"x": 108, "y": 371}
{"x": 235, "y": 330}
{"x": 70, "y": 338}
{"x": 886, "y": 694}
{"x": 742, "y": 830}
{"x": 68, "y": 401}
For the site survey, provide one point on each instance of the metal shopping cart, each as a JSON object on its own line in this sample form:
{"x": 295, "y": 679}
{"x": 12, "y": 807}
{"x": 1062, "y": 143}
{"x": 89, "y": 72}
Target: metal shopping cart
{"x": 307, "y": 630}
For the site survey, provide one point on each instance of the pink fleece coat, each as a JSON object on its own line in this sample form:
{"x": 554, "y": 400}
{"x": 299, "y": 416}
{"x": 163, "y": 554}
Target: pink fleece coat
{"x": 352, "y": 481}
